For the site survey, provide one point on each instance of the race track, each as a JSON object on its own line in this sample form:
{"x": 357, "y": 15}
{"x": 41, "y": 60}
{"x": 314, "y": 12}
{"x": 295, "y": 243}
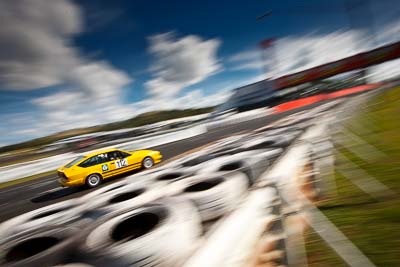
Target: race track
{"x": 24, "y": 197}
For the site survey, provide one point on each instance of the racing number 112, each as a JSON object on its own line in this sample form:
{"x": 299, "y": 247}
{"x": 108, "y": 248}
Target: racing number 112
{"x": 121, "y": 163}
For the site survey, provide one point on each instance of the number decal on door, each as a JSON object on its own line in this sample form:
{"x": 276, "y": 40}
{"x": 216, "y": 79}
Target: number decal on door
{"x": 121, "y": 163}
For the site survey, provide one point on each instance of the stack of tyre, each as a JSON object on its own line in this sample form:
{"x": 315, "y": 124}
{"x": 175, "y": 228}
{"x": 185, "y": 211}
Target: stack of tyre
{"x": 154, "y": 218}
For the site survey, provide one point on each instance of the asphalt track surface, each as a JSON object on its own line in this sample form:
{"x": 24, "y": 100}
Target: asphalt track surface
{"x": 24, "y": 197}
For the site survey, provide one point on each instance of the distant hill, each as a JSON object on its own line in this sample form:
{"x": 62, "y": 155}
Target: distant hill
{"x": 153, "y": 117}
{"x": 140, "y": 120}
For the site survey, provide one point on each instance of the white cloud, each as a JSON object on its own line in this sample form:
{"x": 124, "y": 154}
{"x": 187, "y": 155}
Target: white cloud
{"x": 255, "y": 65}
{"x": 36, "y": 51}
{"x": 247, "y": 60}
{"x": 35, "y": 42}
{"x": 300, "y": 53}
{"x": 58, "y": 101}
{"x": 192, "y": 99}
{"x": 99, "y": 81}
{"x": 28, "y": 131}
{"x": 390, "y": 69}
{"x": 296, "y": 53}
{"x": 66, "y": 110}
{"x": 196, "y": 99}
{"x": 179, "y": 63}
{"x": 389, "y": 33}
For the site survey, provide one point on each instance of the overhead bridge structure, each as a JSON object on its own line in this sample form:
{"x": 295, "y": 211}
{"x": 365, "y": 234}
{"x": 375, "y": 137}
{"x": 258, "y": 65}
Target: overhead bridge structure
{"x": 358, "y": 61}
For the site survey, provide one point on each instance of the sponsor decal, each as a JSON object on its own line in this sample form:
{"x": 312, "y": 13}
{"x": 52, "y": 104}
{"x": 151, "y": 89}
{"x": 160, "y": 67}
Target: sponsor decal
{"x": 104, "y": 167}
{"x": 121, "y": 163}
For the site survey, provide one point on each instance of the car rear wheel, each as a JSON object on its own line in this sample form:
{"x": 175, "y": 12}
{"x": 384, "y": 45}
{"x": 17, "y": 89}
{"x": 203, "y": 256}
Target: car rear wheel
{"x": 93, "y": 180}
{"x": 147, "y": 163}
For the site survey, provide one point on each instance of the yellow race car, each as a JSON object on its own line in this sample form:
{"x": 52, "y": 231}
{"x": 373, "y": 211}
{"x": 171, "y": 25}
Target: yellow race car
{"x": 91, "y": 169}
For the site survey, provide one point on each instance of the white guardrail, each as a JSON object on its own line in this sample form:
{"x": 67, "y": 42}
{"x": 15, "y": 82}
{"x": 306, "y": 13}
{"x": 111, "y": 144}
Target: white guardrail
{"x": 239, "y": 117}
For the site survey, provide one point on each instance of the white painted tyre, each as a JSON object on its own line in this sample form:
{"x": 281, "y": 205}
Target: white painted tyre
{"x": 162, "y": 179}
{"x": 153, "y": 235}
{"x": 126, "y": 197}
{"x": 103, "y": 190}
{"x": 57, "y": 214}
{"x": 213, "y": 194}
{"x": 75, "y": 264}
{"x": 47, "y": 247}
{"x": 252, "y": 163}
{"x": 265, "y": 142}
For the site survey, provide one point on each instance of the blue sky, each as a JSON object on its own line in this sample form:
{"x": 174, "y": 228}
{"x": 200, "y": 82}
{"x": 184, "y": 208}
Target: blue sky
{"x": 67, "y": 64}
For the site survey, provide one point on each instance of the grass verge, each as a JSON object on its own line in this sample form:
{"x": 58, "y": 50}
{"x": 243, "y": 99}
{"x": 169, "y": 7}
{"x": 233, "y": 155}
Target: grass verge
{"x": 372, "y": 225}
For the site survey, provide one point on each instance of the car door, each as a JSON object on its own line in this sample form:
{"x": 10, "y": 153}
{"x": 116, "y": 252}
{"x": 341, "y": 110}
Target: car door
{"x": 119, "y": 163}
{"x": 104, "y": 165}
{"x": 96, "y": 164}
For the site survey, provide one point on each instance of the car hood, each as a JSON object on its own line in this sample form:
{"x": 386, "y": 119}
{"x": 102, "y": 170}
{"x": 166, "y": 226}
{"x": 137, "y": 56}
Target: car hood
{"x": 142, "y": 151}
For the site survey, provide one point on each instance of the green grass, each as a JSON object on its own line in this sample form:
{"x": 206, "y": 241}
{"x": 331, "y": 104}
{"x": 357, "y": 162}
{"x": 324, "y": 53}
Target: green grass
{"x": 319, "y": 254}
{"x": 372, "y": 225}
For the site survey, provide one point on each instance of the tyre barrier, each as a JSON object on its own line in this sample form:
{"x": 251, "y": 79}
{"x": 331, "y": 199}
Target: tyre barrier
{"x": 323, "y": 160}
{"x": 237, "y": 233}
{"x": 104, "y": 190}
{"x": 214, "y": 195}
{"x": 60, "y": 213}
{"x": 263, "y": 142}
{"x": 158, "y": 217}
{"x": 188, "y": 161}
{"x": 279, "y": 132}
{"x": 267, "y": 131}
{"x": 152, "y": 235}
{"x": 75, "y": 264}
{"x": 126, "y": 197}
{"x": 163, "y": 179}
{"x": 293, "y": 123}
{"x": 194, "y": 161}
{"x": 277, "y": 129}
{"x": 225, "y": 151}
{"x": 228, "y": 141}
{"x": 252, "y": 163}
{"x": 251, "y": 143}
{"x": 47, "y": 247}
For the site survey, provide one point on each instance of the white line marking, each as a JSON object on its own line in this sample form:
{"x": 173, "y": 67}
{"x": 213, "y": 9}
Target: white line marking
{"x": 363, "y": 180}
{"x": 335, "y": 238}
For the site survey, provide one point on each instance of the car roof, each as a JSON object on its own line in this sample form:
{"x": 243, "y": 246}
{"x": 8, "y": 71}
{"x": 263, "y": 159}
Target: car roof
{"x": 94, "y": 153}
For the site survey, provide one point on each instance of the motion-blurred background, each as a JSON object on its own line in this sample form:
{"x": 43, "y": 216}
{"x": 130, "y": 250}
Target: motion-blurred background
{"x": 175, "y": 76}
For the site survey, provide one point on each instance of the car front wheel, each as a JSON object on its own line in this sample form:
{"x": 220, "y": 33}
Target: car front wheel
{"x": 147, "y": 163}
{"x": 93, "y": 180}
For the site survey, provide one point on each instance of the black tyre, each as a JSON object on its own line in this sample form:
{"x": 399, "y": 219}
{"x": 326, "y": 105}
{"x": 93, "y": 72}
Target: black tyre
{"x": 93, "y": 180}
{"x": 147, "y": 163}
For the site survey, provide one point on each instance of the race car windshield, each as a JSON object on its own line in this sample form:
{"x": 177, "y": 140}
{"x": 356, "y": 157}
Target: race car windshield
{"x": 74, "y": 161}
